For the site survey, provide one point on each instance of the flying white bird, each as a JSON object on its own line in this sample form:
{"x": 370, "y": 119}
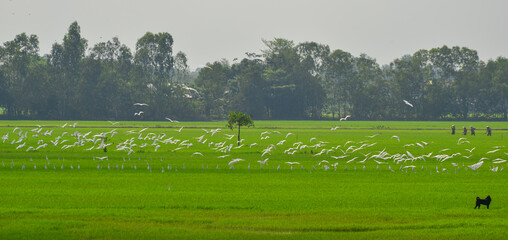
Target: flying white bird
{"x": 493, "y": 151}
{"x": 293, "y": 163}
{"x": 476, "y": 165}
{"x": 235, "y": 161}
{"x": 229, "y": 136}
{"x": 113, "y": 123}
{"x": 470, "y": 150}
{"x": 20, "y": 146}
{"x": 140, "y": 104}
{"x": 344, "y": 118}
{"x": 407, "y": 103}
{"x": 396, "y": 137}
{"x": 263, "y": 162}
{"x": 138, "y": 113}
{"x": 498, "y": 160}
{"x": 197, "y": 153}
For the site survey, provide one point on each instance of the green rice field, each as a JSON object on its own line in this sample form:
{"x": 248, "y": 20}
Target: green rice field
{"x": 192, "y": 180}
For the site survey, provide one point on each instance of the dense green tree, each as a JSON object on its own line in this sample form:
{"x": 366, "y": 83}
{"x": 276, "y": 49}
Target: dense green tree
{"x": 251, "y": 95}
{"x": 494, "y": 87}
{"x": 293, "y": 93}
{"x": 339, "y": 72}
{"x": 285, "y": 81}
{"x": 16, "y": 58}
{"x": 369, "y": 90}
{"x": 154, "y": 53}
{"x": 212, "y": 84}
{"x": 66, "y": 60}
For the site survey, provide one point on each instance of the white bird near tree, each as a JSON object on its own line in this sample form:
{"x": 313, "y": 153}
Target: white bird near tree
{"x": 140, "y": 104}
{"x": 344, "y": 118}
{"x": 407, "y": 103}
{"x": 138, "y": 113}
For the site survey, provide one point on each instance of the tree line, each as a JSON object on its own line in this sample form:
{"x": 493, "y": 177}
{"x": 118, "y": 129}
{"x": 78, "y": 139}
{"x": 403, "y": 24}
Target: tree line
{"x": 283, "y": 81}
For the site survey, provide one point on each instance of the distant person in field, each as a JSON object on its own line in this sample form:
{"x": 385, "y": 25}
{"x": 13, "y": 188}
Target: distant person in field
{"x": 473, "y": 133}
{"x": 453, "y": 129}
{"x": 489, "y": 131}
{"x": 465, "y": 130}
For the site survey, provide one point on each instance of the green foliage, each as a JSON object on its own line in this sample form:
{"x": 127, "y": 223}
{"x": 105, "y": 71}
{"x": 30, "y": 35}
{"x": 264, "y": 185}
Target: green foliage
{"x": 287, "y": 80}
{"x": 238, "y": 120}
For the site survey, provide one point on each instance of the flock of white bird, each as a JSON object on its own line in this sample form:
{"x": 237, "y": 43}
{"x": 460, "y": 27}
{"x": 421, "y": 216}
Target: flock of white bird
{"x": 283, "y": 146}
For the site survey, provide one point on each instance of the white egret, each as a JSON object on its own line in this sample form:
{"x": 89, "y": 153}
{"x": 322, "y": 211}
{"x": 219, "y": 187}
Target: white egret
{"x": 140, "y": 104}
{"x": 113, "y": 123}
{"x": 476, "y": 165}
{"x": 344, "y": 118}
{"x": 21, "y": 146}
{"x": 235, "y": 161}
{"x": 470, "y": 150}
{"x": 263, "y": 162}
{"x": 493, "y": 151}
{"x": 407, "y": 103}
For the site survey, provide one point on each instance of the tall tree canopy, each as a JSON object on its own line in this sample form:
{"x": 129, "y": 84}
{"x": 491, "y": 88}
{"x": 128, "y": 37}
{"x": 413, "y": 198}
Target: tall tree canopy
{"x": 285, "y": 80}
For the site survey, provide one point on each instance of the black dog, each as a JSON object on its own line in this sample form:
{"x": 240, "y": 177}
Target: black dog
{"x": 480, "y": 201}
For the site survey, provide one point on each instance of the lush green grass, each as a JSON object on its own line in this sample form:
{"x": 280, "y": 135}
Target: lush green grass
{"x": 247, "y": 202}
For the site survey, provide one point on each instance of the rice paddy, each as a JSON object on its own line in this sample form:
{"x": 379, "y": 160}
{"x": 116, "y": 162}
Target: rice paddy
{"x": 195, "y": 181}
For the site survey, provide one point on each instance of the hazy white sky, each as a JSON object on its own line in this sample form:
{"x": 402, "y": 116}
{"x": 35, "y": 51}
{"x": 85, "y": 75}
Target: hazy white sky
{"x": 208, "y": 30}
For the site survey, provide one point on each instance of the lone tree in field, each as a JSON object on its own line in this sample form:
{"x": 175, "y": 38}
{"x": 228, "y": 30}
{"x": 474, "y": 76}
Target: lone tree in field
{"x": 239, "y": 119}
